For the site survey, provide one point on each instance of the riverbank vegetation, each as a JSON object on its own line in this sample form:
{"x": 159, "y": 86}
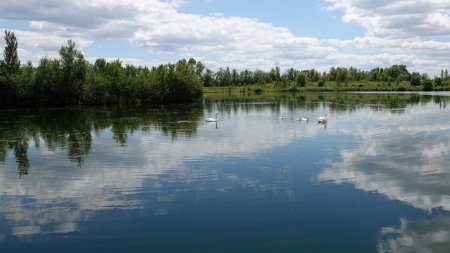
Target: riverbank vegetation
{"x": 394, "y": 78}
{"x": 71, "y": 80}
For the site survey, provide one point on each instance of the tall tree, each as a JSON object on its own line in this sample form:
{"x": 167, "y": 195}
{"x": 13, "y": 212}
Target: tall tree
{"x": 415, "y": 79}
{"x": 11, "y": 57}
{"x": 301, "y": 79}
{"x": 74, "y": 72}
{"x": 208, "y": 78}
{"x": 342, "y": 75}
{"x": 9, "y": 70}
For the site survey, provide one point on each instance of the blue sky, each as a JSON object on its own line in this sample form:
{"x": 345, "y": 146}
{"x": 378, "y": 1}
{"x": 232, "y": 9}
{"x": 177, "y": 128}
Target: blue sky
{"x": 239, "y": 34}
{"x": 303, "y": 18}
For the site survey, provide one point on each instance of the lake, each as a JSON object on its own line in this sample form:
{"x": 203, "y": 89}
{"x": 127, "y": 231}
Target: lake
{"x": 374, "y": 178}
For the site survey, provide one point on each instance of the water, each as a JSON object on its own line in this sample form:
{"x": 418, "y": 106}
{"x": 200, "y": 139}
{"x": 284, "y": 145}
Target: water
{"x": 375, "y": 178}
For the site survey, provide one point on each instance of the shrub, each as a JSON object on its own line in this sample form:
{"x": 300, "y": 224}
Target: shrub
{"x": 428, "y": 85}
{"x": 402, "y": 87}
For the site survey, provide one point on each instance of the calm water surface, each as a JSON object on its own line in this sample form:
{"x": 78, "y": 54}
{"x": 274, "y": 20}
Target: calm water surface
{"x": 375, "y": 178}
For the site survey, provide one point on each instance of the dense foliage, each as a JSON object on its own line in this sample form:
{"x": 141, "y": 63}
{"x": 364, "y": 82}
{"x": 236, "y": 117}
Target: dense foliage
{"x": 396, "y": 75}
{"x": 71, "y": 80}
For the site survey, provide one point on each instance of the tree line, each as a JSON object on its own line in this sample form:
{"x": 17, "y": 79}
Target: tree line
{"x": 395, "y": 74}
{"x": 71, "y": 80}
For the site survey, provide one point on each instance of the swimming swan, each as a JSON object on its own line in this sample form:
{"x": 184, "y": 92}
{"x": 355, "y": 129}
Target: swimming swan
{"x": 322, "y": 119}
{"x": 213, "y": 119}
{"x": 303, "y": 119}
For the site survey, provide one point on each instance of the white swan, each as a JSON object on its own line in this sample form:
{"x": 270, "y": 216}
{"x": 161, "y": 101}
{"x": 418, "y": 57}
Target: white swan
{"x": 303, "y": 119}
{"x": 213, "y": 119}
{"x": 322, "y": 119}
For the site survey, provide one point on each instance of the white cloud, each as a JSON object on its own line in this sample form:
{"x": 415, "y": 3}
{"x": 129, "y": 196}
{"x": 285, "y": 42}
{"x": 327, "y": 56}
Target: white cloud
{"x": 400, "y": 27}
{"x": 398, "y": 18}
{"x": 395, "y": 29}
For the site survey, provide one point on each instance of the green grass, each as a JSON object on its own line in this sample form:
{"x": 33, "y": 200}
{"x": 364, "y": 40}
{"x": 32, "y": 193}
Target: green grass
{"x": 328, "y": 87}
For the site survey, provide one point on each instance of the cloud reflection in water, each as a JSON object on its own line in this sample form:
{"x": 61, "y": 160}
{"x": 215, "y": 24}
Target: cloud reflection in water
{"x": 404, "y": 158}
{"x": 428, "y": 235}
{"x": 57, "y": 195}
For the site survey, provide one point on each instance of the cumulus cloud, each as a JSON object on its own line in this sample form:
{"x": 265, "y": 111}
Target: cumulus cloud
{"x": 400, "y": 28}
{"x": 394, "y": 29}
{"x": 398, "y": 18}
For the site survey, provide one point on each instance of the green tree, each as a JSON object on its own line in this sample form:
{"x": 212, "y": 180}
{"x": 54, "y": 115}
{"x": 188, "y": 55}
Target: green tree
{"x": 246, "y": 77}
{"x": 274, "y": 74}
{"x": 176, "y": 83}
{"x": 397, "y": 72}
{"x": 199, "y": 68}
{"x": 438, "y": 81}
{"x": 73, "y": 67}
{"x": 186, "y": 85}
{"x": 427, "y": 85}
{"x": 115, "y": 76}
{"x": 312, "y": 75}
{"x": 9, "y": 70}
{"x": 100, "y": 66}
{"x": 342, "y": 75}
{"x": 45, "y": 83}
{"x": 332, "y": 74}
{"x": 235, "y": 77}
{"x": 208, "y": 78}
{"x": 260, "y": 76}
{"x": 24, "y": 83}
{"x": 11, "y": 58}
{"x": 96, "y": 90}
{"x": 415, "y": 79}
{"x": 375, "y": 74}
{"x": 223, "y": 77}
{"x": 301, "y": 79}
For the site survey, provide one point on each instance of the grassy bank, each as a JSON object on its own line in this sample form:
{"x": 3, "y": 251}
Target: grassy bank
{"x": 324, "y": 87}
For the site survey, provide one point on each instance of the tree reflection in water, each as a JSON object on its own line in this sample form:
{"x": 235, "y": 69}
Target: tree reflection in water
{"x": 73, "y": 129}
{"x": 55, "y": 201}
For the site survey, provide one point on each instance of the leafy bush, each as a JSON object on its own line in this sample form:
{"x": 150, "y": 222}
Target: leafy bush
{"x": 427, "y": 85}
{"x": 402, "y": 87}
